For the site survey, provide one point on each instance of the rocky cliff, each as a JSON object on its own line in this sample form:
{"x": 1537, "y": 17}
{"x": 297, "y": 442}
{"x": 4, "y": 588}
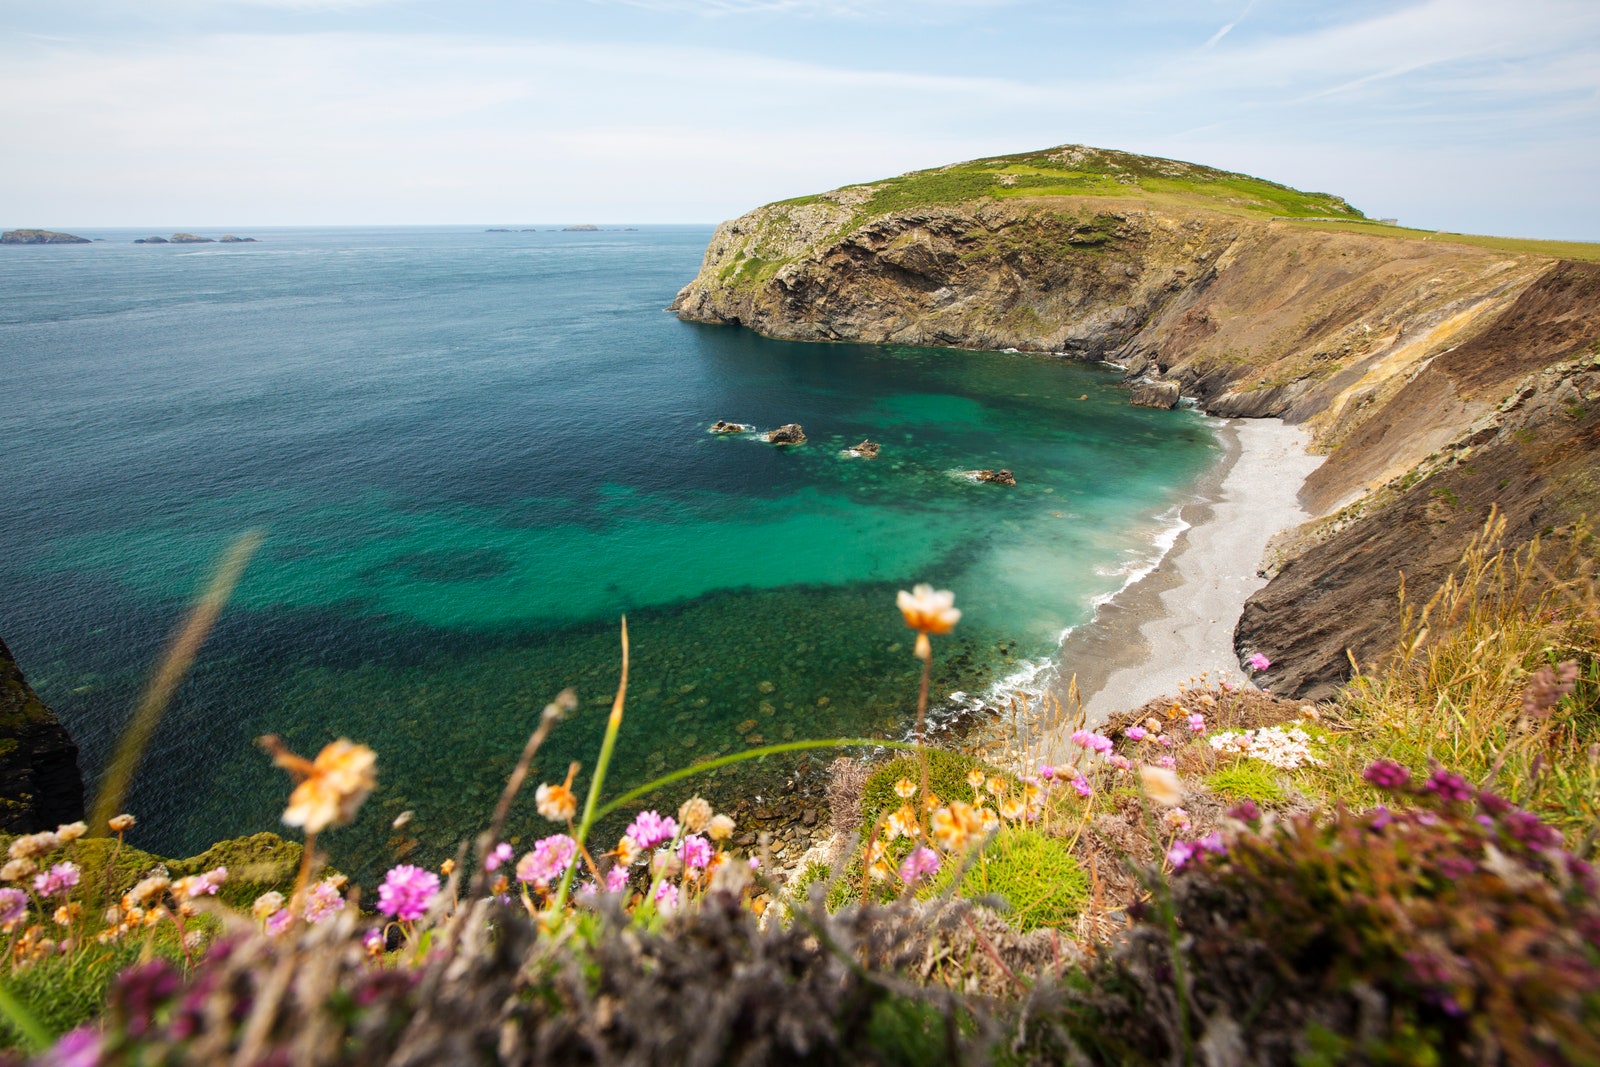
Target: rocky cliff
{"x": 1396, "y": 348}
{"x": 40, "y": 786}
{"x": 40, "y": 237}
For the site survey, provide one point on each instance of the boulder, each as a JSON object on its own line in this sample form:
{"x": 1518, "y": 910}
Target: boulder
{"x": 787, "y": 434}
{"x": 728, "y": 427}
{"x": 999, "y": 477}
{"x": 40, "y": 784}
{"x": 866, "y": 450}
{"x": 40, "y": 237}
{"x": 191, "y": 239}
{"x": 1149, "y": 394}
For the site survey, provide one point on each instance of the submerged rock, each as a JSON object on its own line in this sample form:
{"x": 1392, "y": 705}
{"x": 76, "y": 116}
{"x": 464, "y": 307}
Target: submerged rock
{"x": 787, "y": 434}
{"x": 729, "y": 427}
{"x": 999, "y": 477}
{"x": 40, "y": 237}
{"x": 1155, "y": 395}
{"x": 866, "y": 450}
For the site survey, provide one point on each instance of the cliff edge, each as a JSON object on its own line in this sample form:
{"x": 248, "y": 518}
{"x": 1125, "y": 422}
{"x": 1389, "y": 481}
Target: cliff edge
{"x": 1401, "y": 351}
{"x": 40, "y": 785}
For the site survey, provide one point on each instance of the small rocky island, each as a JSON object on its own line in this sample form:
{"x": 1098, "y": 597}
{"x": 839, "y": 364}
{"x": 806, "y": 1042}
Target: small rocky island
{"x": 865, "y": 450}
{"x": 194, "y": 239}
{"x": 41, "y": 237}
{"x": 787, "y": 434}
{"x": 999, "y": 477}
{"x": 729, "y": 427}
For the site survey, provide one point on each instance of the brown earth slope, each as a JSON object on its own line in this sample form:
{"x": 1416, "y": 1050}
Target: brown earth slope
{"x": 1398, "y": 353}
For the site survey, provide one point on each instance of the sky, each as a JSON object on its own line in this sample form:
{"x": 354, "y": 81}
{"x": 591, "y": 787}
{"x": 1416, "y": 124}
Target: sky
{"x": 1468, "y": 115}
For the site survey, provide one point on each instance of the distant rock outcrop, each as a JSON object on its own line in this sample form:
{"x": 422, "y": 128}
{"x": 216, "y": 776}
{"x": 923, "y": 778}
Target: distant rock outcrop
{"x": 729, "y": 427}
{"x": 191, "y": 239}
{"x": 580, "y": 229}
{"x": 788, "y": 434}
{"x": 230, "y": 239}
{"x": 866, "y": 450}
{"x": 150, "y": 241}
{"x": 40, "y": 785}
{"x": 1148, "y": 394}
{"x": 999, "y": 477}
{"x": 40, "y": 237}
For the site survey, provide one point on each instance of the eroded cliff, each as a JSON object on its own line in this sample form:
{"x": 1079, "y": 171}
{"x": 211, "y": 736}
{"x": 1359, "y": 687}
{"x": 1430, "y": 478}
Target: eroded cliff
{"x": 40, "y": 785}
{"x": 1395, "y": 348}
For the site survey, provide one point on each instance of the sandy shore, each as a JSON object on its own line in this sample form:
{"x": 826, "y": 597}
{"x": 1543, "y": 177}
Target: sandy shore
{"x": 1179, "y": 619}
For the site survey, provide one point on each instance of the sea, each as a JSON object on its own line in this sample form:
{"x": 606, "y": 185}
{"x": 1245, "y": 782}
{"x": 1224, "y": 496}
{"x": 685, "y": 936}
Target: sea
{"x": 471, "y": 454}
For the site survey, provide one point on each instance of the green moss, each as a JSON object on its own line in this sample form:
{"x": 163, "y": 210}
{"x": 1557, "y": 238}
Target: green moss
{"x": 256, "y": 864}
{"x": 1036, "y": 875}
{"x": 947, "y": 777}
{"x": 1248, "y": 779}
{"x": 65, "y": 992}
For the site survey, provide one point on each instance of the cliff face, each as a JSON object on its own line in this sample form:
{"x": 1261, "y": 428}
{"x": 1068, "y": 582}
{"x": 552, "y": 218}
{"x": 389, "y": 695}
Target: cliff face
{"x": 40, "y": 785}
{"x": 1393, "y": 351}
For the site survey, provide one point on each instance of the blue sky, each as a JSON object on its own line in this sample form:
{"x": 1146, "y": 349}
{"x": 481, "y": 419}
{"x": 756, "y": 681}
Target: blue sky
{"x": 1474, "y": 115}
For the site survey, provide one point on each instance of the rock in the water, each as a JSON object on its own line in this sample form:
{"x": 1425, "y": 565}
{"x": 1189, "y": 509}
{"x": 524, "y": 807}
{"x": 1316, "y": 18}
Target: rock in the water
{"x": 40, "y": 237}
{"x": 40, "y": 785}
{"x": 150, "y": 241}
{"x": 191, "y": 239}
{"x": 230, "y": 239}
{"x": 788, "y": 434}
{"x": 1156, "y": 395}
{"x": 728, "y": 427}
{"x": 999, "y": 477}
{"x": 866, "y": 450}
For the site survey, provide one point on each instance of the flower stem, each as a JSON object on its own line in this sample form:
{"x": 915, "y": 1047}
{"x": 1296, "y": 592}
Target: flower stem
{"x": 607, "y": 746}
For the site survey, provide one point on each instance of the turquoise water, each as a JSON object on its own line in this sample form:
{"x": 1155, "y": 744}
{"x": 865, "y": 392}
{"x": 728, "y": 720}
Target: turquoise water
{"x": 471, "y": 453}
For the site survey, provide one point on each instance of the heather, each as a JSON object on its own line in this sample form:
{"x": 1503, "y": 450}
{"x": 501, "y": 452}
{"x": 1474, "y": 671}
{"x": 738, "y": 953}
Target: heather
{"x": 1224, "y": 876}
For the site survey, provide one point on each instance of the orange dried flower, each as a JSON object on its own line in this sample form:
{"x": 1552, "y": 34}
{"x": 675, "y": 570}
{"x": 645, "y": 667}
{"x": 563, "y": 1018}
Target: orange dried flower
{"x": 332, "y": 786}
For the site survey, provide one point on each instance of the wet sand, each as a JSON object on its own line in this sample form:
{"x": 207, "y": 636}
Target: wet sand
{"x": 1178, "y": 620}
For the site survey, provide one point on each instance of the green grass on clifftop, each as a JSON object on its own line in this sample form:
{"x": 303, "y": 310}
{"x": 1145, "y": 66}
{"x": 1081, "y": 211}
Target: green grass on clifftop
{"x": 1075, "y": 170}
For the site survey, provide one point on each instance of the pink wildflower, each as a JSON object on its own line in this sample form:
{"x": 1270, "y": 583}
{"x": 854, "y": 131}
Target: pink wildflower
{"x": 374, "y": 942}
{"x": 650, "y": 829}
{"x": 1180, "y": 854}
{"x": 13, "y": 905}
{"x": 1081, "y": 784}
{"x": 279, "y": 921}
{"x": 755, "y": 863}
{"x": 57, "y": 880}
{"x": 550, "y": 857}
{"x": 1258, "y": 662}
{"x": 323, "y": 901}
{"x": 1134, "y": 733}
{"x": 617, "y": 879}
{"x": 1197, "y": 722}
{"x": 921, "y": 863}
{"x": 1164, "y": 741}
{"x": 1166, "y": 761}
{"x": 1092, "y": 741}
{"x": 502, "y": 854}
{"x": 407, "y": 892}
{"x": 1119, "y": 761}
{"x": 666, "y": 897}
{"x": 208, "y": 883}
{"x": 695, "y": 852}
{"x": 1046, "y": 771}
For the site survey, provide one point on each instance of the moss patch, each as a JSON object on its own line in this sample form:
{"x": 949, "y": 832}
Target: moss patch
{"x": 1036, "y": 875}
{"x": 1248, "y": 779}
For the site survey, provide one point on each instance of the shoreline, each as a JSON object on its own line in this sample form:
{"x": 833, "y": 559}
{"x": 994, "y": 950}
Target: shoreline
{"x": 1178, "y": 620}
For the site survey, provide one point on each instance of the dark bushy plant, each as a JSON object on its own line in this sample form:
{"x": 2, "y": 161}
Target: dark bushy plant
{"x": 1454, "y": 930}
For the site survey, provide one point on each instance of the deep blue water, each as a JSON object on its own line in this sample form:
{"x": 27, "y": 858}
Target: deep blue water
{"x": 471, "y": 453}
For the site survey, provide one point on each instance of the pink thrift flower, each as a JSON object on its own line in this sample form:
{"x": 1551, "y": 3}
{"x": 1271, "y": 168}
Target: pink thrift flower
{"x": 1081, "y": 784}
{"x": 58, "y": 879}
{"x": 1046, "y": 771}
{"x": 407, "y": 892}
{"x": 1197, "y": 722}
{"x": 1258, "y": 662}
{"x": 695, "y": 852}
{"x": 1119, "y": 761}
{"x": 1180, "y": 854}
{"x": 550, "y": 857}
{"x": 323, "y": 902}
{"x": 922, "y": 863}
{"x": 502, "y": 854}
{"x": 1134, "y": 733}
{"x": 666, "y": 897}
{"x": 279, "y": 922}
{"x": 1166, "y": 761}
{"x": 617, "y": 879}
{"x": 208, "y": 883}
{"x": 650, "y": 829}
{"x": 374, "y": 941}
{"x": 755, "y": 863}
{"x": 13, "y": 905}
{"x": 1164, "y": 741}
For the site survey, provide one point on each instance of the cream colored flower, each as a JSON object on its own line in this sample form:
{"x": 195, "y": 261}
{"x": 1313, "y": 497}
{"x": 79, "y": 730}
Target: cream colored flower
{"x": 956, "y": 826}
{"x": 332, "y": 786}
{"x": 146, "y": 890}
{"x": 628, "y": 851}
{"x": 905, "y": 789}
{"x": 17, "y": 870}
{"x": 1161, "y": 785}
{"x": 903, "y": 823}
{"x": 32, "y": 846}
{"x": 71, "y": 832}
{"x": 975, "y": 778}
{"x": 695, "y": 814}
{"x": 720, "y": 828}
{"x": 988, "y": 820}
{"x": 121, "y": 824}
{"x": 267, "y": 905}
{"x": 1012, "y": 808}
{"x": 556, "y": 802}
{"x": 995, "y": 785}
{"x": 928, "y": 610}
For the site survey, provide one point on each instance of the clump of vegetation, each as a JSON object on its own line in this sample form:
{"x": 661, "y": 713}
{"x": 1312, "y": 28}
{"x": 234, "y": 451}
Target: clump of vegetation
{"x": 1036, "y": 877}
{"x": 1247, "y": 779}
